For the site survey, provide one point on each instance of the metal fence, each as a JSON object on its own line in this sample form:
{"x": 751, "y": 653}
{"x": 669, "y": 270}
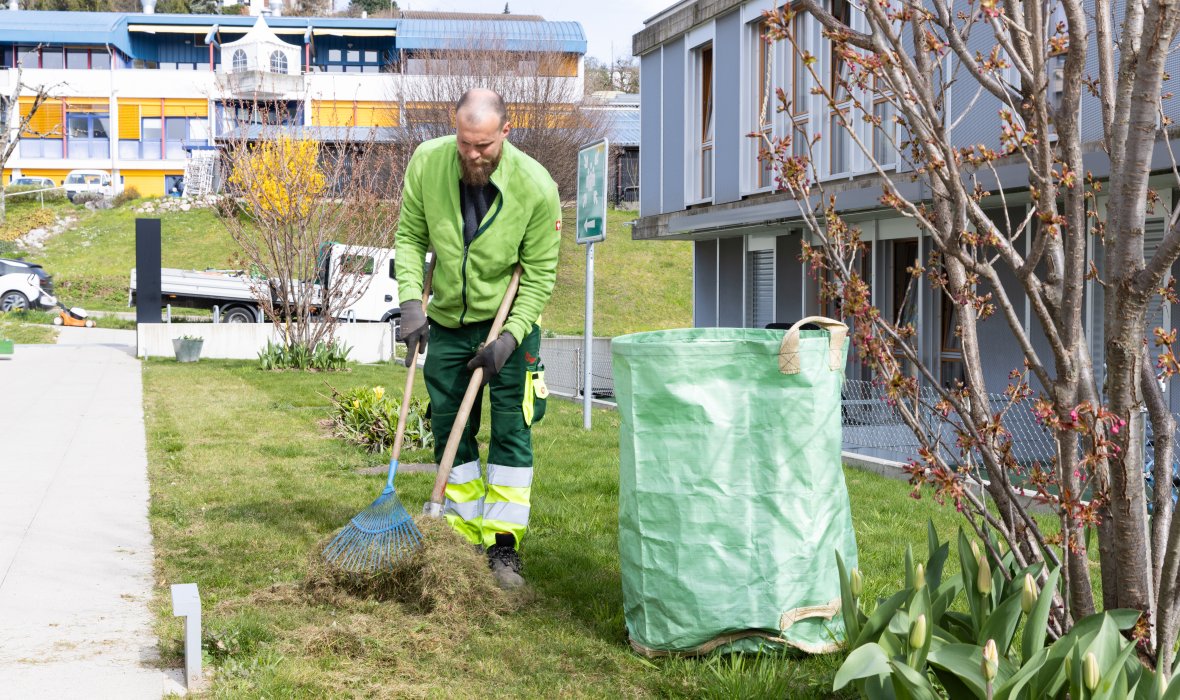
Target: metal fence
{"x": 564, "y": 373}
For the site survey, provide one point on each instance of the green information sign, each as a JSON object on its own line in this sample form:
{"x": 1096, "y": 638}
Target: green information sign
{"x": 591, "y": 224}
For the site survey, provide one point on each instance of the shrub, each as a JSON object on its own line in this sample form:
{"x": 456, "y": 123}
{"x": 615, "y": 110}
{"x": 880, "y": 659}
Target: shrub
{"x": 324, "y": 357}
{"x": 129, "y": 194}
{"x": 18, "y": 226}
{"x": 367, "y": 417}
{"x": 29, "y": 193}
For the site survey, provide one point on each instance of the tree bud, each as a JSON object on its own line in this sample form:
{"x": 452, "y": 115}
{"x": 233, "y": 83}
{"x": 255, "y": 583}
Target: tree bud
{"x": 1090, "y": 671}
{"x": 919, "y": 576}
{"x": 991, "y": 661}
{"x": 918, "y": 632}
{"x": 855, "y": 583}
{"x": 1028, "y": 597}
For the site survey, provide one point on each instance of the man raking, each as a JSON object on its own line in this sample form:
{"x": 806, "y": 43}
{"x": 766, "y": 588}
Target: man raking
{"x": 482, "y": 206}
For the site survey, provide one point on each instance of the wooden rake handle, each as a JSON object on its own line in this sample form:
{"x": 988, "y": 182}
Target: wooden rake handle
{"x": 434, "y": 507}
{"x": 404, "y": 412}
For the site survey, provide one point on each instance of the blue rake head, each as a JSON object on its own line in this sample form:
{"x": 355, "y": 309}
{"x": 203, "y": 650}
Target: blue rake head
{"x": 378, "y": 537}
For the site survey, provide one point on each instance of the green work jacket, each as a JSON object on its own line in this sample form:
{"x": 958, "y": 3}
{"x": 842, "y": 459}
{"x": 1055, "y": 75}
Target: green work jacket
{"x": 522, "y": 225}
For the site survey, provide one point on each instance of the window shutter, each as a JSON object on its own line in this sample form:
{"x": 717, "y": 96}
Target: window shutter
{"x": 760, "y": 289}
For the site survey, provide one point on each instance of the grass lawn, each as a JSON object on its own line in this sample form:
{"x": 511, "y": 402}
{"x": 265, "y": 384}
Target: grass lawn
{"x": 657, "y": 272}
{"x": 19, "y": 329}
{"x": 91, "y": 263}
{"x": 245, "y": 483}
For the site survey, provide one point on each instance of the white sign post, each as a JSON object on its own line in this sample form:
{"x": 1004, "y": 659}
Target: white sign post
{"x": 590, "y": 228}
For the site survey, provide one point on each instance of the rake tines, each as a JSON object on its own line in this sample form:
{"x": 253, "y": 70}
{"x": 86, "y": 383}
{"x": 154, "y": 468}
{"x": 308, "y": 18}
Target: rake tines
{"x": 376, "y": 539}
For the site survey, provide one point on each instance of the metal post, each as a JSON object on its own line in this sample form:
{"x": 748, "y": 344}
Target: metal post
{"x": 588, "y": 340}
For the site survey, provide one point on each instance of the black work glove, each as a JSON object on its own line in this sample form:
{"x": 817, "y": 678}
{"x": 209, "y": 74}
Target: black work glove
{"x": 414, "y": 330}
{"x": 492, "y": 357}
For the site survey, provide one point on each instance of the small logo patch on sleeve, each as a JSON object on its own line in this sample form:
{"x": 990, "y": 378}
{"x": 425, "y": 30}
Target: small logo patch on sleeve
{"x": 557, "y": 226}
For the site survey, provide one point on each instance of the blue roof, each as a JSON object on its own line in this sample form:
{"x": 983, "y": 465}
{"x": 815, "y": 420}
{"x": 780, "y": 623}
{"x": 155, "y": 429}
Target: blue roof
{"x": 31, "y": 26}
{"x": 82, "y": 28}
{"x": 511, "y": 35}
{"x": 624, "y": 126}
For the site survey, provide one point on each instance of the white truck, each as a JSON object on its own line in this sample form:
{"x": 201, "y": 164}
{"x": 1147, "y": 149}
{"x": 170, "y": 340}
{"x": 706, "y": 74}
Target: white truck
{"x": 231, "y": 293}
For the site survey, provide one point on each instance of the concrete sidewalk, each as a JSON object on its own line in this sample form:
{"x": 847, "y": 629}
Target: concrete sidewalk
{"x": 75, "y": 548}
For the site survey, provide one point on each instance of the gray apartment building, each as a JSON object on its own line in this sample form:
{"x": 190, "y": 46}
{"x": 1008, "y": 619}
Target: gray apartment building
{"x": 704, "y": 77}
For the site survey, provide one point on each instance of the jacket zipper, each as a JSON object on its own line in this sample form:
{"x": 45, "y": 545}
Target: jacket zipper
{"x": 466, "y": 246}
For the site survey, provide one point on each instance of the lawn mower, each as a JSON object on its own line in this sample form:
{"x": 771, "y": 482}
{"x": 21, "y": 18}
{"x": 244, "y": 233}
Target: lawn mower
{"x": 72, "y": 317}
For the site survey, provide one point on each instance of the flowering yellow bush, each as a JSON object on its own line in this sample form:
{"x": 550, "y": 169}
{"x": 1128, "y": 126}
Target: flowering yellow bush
{"x": 280, "y": 177}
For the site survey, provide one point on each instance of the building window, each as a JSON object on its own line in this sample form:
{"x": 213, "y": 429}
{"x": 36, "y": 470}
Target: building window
{"x": 278, "y": 62}
{"x": 77, "y": 59}
{"x": 53, "y": 58}
{"x": 100, "y": 60}
{"x": 705, "y": 103}
{"x": 239, "y": 60}
{"x": 884, "y": 134}
{"x": 27, "y": 57}
{"x": 88, "y": 135}
{"x": 800, "y": 90}
{"x": 764, "y": 105}
{"x": 174, "y": 185}
{"x": 841, "y": 142}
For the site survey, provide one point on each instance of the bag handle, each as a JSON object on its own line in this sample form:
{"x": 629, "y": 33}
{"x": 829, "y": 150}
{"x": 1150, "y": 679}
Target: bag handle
{"x": 788, "y": 353}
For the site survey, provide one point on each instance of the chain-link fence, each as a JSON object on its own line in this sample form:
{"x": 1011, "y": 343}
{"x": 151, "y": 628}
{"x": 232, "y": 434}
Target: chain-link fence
{"x": 873, "y": 426}
{"x": 564, "y": 373}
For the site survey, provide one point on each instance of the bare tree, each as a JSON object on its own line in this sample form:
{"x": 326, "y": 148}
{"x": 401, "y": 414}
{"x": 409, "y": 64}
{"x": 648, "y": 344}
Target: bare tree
{"x": 907, "y": 58}
{"x": 16, "y": 122}
{"x": 544, "y": 99}
{"x": 289, "y": 195}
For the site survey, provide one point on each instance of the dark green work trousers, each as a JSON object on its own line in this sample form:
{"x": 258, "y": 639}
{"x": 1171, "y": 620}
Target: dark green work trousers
{"x": 478, "y": 508}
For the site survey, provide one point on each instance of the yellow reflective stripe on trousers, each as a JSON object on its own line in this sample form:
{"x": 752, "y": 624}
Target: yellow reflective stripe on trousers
{"x": 465, "y": 501}
{"x": 526, "y": 406}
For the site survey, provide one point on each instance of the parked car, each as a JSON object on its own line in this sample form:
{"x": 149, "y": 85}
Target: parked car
{"x": 79, "y": 181}
{"x": 25, "y": 181}
{"x": 24, "y": 285}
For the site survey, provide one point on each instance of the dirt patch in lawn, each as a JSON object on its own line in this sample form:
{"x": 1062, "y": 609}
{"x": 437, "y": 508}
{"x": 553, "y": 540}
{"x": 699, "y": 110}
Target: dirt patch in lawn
{"x": 446, "y": 578}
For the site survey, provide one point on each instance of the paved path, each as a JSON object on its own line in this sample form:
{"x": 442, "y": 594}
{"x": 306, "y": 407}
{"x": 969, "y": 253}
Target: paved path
{"x": 75, "y": 548}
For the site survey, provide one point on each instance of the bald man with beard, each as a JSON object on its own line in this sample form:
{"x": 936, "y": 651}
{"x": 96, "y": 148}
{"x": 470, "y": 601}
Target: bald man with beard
{"x": 482, "y": 206}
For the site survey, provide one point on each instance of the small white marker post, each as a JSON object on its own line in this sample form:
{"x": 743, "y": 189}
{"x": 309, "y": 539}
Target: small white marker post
{"x": 186, "y": 603}
{"x": 590, "y": 228}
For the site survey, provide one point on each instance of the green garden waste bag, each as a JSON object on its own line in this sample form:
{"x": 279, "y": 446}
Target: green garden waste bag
{"x": 732, "y": 502}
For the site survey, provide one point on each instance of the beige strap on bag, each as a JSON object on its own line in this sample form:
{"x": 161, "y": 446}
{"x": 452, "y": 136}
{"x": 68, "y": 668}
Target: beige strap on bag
{"x": 788, "y": 354}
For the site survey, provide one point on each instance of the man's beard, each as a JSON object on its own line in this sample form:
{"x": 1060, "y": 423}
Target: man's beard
{"x": 479, "y": 173}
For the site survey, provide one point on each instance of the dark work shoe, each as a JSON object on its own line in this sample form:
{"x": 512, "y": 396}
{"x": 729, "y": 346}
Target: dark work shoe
{"x": 505, "y": 562}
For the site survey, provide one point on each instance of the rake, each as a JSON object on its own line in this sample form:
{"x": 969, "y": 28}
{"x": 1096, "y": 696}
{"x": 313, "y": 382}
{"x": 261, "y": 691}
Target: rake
{"x": 384, "y": 533}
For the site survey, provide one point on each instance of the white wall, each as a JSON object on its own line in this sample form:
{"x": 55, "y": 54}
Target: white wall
{"x": 370, "y": 342}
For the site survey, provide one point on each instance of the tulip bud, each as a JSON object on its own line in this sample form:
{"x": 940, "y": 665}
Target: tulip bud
{"x": 856, "y": 583}
{"x": 919, "y": 576}
{"x": 975, "y": 549}
{"x": 983, "y": 581}
{"x": 1090, "y": 671}
{"x": 918, "y": 632}
{"x": 1028, "y": 597}
{"x": 991, "y": 661}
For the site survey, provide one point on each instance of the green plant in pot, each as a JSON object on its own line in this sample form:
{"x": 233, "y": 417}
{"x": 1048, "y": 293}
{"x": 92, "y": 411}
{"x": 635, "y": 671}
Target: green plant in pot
{"x": 188, "y": 348}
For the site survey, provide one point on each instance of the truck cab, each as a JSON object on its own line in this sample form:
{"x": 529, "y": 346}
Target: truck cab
{"x": 366, "y": 275}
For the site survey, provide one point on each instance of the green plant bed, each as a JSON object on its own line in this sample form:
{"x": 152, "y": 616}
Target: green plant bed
{"x": 247, "y": 481}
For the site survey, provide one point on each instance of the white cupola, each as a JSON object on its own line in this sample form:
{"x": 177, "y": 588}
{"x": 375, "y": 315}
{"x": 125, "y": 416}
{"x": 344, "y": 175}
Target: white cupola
{"x": 260, "y": 50}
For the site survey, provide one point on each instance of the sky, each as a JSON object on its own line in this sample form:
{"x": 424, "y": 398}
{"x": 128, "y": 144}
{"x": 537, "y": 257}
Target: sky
{"x": 604, "y": 21}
